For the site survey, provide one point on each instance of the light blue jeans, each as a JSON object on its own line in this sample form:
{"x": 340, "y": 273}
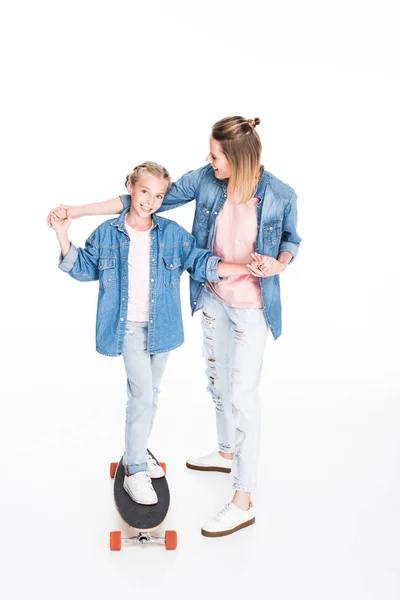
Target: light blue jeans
{"x": 144, "y": 372}
{"x": 233, "y": 345}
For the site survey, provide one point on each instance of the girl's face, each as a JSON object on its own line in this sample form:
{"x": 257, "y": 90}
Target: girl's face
{"x": 218, "y": 161}
{"x": 147, "y": 194}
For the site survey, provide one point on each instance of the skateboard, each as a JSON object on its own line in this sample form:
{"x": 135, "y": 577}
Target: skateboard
{"x": 140, "y": 517}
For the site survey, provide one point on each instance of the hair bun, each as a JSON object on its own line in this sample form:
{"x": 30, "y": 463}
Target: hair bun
{"x": 254, "y": 122}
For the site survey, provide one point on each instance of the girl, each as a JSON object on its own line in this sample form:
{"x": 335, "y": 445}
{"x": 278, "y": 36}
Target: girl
{"x": 138, "y": 259}
{"x": 240, "y": 208}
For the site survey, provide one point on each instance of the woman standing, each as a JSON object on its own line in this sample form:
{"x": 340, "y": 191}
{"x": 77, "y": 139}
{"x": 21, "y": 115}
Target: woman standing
{"x": 240, "y": 209}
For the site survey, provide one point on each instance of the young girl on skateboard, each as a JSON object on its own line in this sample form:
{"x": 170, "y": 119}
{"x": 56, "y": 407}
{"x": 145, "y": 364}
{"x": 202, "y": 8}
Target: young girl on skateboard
{"x": 237, "y": 200}
{"x": 138, "y": 259}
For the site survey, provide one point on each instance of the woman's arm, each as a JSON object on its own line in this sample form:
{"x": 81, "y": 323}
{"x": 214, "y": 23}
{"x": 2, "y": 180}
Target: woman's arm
{"x": 181, "y": 192}
{"x": 290, "y": 240}
{"x": 64, "y": 211}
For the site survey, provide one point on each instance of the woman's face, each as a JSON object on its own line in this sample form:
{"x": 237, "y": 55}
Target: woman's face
{"x": 218, "y": 161}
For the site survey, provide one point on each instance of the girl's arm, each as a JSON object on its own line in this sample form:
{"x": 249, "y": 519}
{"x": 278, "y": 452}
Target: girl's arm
{"x": 81, "y": 264}
{"x": 203, "y": 266}
{"x": 61, "y": 229}
{"x": 225, "y": 269}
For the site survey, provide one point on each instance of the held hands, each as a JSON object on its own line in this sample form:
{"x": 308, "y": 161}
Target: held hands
{"x": 62, "y": 212}
{"x": 59, "y": 224}
{"x": 264, "y": 266}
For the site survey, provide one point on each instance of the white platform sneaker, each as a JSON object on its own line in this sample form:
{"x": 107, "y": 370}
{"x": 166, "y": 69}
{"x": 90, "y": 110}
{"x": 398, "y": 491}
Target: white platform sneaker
{"x": 210, "y": 462}
{"x": 154, "y": 469}
{"x": 140, "y": 488}
{"x": 230, "y": 519}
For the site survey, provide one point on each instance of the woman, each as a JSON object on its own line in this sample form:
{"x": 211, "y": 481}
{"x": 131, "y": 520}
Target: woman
{"x": 240, "y": 209}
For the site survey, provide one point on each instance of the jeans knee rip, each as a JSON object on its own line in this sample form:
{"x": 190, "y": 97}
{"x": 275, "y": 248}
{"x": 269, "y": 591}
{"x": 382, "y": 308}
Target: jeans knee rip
{"x": 240, "y": 336}
{"x": 216, "y": 399}
{"x": 208, "y": 321}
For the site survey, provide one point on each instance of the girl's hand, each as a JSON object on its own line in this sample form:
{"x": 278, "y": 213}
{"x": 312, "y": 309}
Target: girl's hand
{"x": 60, "y": 225}
{"x": 63, "y": 211}
{"x": 265, "y": 266}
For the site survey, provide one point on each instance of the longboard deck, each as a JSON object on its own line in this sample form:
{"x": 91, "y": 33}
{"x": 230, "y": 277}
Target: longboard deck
{"x": 140, "y": 516}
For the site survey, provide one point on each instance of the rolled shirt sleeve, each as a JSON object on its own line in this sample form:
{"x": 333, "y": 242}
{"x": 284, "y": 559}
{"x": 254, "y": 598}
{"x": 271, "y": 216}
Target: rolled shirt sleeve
{"x": 67, "y": 262}
{"x": 82, "y": 263}
{"x": 290, "y": 240}
{"x": 212, "y": 269}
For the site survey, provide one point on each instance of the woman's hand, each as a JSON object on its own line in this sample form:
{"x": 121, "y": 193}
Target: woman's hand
{"x": 63, "y": 211}
{"x": 265, "y": 266}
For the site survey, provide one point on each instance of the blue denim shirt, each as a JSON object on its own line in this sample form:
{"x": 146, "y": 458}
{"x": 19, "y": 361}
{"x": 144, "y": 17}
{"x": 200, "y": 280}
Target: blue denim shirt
{"x": 105, "y": 257}
{"x": 276, "y": 227}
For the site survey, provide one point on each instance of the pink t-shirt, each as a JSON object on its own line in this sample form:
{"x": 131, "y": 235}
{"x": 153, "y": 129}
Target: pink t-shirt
{"x": 235, "y": 238}
{"x": 139, "y": 274}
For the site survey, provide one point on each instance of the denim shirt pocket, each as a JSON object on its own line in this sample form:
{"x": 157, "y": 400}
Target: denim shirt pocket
{"x": 106, "y": 271}
{"x": 202, "y": 215}
{"x": 172, "y": 270}
{"x": 272, "y": 232}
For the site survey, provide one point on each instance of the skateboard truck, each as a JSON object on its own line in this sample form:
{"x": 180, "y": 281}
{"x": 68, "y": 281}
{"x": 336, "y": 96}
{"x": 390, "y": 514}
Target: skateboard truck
{"x": 170, "y": 541}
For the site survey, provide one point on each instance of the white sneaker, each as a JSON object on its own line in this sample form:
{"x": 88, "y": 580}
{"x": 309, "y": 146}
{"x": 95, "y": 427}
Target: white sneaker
{"x": 139, "y": 488}
{"x": 154, "y": 468}
{"x": 211, "y": 462}
{"x": 230, "y": 519}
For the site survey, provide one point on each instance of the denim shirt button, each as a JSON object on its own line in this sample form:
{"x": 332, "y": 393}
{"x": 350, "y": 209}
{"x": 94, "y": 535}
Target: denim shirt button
{"x": 152, "y": 299}
{"x": 123, "y": 299}
{"x": 215, "y": 213}
{"x": 122, "y": 318}
{"x": 153, "y": 259}
{"x": 203, "y": 284}
{"x": 152, "y": 281}
{"x": 151, "y": 321}
{"x": 194, "y": 302}
{"x": 207, "y": 212}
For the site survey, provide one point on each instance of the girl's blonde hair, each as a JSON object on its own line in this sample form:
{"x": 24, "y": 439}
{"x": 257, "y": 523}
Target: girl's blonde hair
{"x": 149, "y": 167}
{"x": 242, "y": 147}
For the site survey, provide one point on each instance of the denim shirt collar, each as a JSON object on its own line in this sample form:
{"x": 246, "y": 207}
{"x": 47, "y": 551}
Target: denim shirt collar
{"x": 262, "y": 184}
{"x": 119, "y": 222}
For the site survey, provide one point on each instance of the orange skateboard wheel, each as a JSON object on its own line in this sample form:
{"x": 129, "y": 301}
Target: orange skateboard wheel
{"x": 164, "y": 467}
{"x": 171, "y": 540}
{"x": 115, "y": 540}
{"x": 113, "y": 468}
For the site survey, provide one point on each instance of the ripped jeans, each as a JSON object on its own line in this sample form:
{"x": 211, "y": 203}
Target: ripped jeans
{"x": 144, "y": 372}
{"x": 233, "y": 346}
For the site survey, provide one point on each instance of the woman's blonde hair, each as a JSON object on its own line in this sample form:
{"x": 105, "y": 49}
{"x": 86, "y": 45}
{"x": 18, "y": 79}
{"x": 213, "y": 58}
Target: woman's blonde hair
{"x": 151, "y": 167}
{"x": 242, "y": 147}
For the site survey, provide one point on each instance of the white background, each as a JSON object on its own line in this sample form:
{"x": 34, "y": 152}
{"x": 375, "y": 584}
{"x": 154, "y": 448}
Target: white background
{"x": 89, "y": 89}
